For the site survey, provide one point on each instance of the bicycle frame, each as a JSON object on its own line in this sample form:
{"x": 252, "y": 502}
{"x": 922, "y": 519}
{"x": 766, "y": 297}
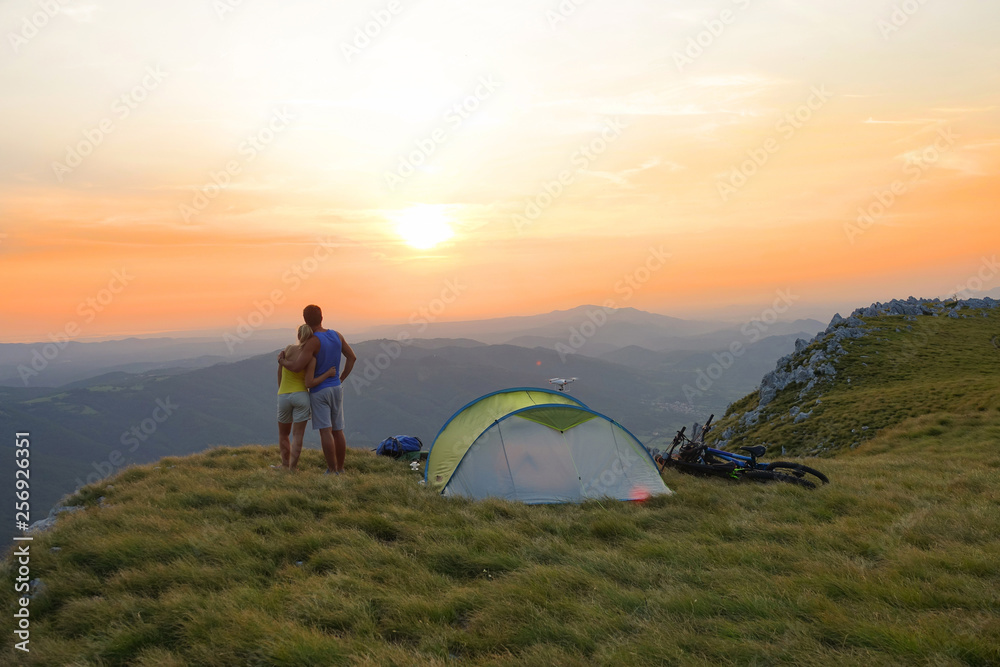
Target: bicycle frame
{"x": 735, "y": 458}
{"x": 739, "y": 462}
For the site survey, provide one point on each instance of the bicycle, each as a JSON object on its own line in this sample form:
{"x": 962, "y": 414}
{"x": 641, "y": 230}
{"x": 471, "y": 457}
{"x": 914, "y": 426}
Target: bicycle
{"x": 694, "y": 457}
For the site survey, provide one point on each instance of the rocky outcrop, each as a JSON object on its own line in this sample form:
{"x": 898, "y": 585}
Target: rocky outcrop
{"x": 814, "y": 361}
{"x": 50, "y": 520}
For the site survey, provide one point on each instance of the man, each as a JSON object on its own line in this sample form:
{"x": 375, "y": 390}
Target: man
{"x": 327, "y": 398}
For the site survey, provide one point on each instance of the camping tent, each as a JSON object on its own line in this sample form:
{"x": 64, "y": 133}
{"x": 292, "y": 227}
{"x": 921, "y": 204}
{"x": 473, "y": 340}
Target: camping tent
{"x": 538, "y": 446}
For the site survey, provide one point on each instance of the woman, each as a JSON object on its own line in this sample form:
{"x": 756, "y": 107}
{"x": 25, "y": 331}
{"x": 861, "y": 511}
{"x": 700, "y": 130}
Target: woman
{"x": 293, "y": 402}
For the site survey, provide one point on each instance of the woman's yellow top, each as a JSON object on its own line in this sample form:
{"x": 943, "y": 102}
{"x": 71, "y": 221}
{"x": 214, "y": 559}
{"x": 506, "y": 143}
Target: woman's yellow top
{"x": 291, "y": 382}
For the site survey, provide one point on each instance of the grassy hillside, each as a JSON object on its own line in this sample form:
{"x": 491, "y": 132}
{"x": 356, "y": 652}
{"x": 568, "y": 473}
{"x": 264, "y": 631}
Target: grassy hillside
{"x": 900, "y": 369}
{"x": 215, "y": 559}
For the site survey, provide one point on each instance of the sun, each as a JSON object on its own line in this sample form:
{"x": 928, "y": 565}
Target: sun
{"x": 423, "y": 226}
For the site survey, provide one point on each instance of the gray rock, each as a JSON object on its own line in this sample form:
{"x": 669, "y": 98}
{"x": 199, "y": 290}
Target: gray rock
{"x": 750, "y": 418}
{"x": 41, "y": 526}
{"x": 846, "y": 333}
{"x": 801, "y": 344}
{"x": 784, "y": 361}
{"x": 767, "y": 394}
{"x": 57, "y": 510}
{"x": 37, "y": 588}
{"x": 55, "y": 550}
{"x": 795, "y": 410}
{"x": 803, "y": 374}
{"x": 802, "y": 416}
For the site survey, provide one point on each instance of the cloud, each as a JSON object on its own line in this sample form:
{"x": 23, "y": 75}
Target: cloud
{"x": 622, "y": 177}
{"x": 81, "y": 13}
{"x": 733, "y": 94}
{"x": 963, "y": 109}
{"x": 910, "y": 121}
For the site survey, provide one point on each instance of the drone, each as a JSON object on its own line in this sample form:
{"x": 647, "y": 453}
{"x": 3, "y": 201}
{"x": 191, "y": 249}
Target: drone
{"x": 562, "y": 382}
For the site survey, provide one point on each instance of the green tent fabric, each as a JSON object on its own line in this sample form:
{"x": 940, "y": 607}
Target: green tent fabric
{"x": 539, "y": 446}
{"x": 459, "y": 432}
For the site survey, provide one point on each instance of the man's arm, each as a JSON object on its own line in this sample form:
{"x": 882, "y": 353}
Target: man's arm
{"x": 298, "y": 363}
{"x": 351, "y": 358}
{"x": 312, "y": 380}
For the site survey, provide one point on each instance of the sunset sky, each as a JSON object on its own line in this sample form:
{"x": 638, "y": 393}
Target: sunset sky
{"x": 179, "y": 165}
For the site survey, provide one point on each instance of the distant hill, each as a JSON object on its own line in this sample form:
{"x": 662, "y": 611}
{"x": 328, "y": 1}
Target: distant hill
{"x": 594, "y": 331}
{"x": 887, "y": 364}
{"x": 555, "y": 324}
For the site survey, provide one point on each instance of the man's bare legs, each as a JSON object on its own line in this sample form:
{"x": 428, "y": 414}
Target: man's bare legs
{"x": 329, "y": 449}
{"x": 341, "y": 448}
{"x": 298, "y": 433}
{"x": 284, "y": 430}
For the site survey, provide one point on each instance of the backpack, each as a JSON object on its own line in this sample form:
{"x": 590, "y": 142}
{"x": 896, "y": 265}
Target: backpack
{"x": 400, "y": 446}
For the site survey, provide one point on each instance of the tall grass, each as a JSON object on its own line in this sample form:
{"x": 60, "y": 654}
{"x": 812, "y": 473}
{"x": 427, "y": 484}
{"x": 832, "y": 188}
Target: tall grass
{"x": 216, "y": 559}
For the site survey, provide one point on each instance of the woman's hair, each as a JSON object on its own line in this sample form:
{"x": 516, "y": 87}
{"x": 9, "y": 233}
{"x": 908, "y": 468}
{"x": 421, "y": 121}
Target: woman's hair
{"x": 305, "y": 332}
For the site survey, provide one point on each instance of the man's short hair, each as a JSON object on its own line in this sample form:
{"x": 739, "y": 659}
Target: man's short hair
{"x": 312, "y": 315}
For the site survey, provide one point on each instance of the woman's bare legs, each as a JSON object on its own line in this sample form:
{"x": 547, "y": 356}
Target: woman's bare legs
{"x": 284, "y": 430}
{"x": 298, "y": 433}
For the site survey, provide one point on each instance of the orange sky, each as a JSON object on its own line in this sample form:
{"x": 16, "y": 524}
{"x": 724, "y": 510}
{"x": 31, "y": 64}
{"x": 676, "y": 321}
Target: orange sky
{"x": 115, "y": 116}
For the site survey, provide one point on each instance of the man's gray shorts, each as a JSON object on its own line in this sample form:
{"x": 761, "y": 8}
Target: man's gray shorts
{"x": 328, "y": 408}
{"x": 293, "y": 407}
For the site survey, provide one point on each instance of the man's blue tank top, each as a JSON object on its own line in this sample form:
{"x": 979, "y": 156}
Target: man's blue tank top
{"x": 328, "y": 357}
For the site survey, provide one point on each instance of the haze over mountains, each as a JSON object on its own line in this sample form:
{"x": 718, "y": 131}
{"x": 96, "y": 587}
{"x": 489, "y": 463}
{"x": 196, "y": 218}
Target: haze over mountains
{"x": 54, "y": 363}
{"x": 97, "y": 407}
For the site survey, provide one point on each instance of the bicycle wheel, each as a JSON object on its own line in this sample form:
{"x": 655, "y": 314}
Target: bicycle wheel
{"x": 774, "y": 476}
{"x": 797, "y": 469}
